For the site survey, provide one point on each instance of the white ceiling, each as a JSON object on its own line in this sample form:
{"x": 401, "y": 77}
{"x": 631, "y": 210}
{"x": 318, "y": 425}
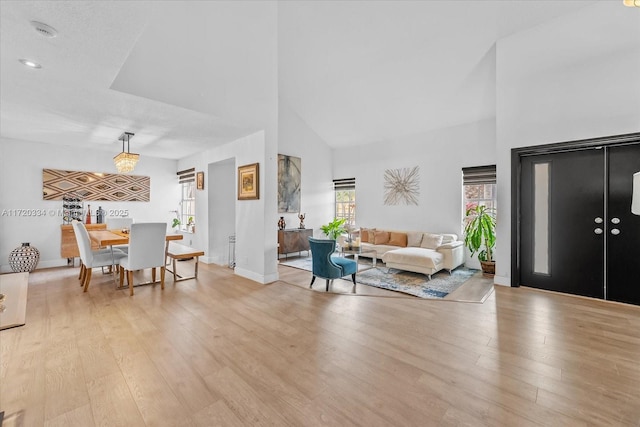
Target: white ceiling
{"x": 185, "y": 76}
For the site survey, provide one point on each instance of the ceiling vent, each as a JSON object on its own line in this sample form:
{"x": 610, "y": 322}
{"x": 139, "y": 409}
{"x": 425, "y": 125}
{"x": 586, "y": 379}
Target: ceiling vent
{"x": 44, "y": 29}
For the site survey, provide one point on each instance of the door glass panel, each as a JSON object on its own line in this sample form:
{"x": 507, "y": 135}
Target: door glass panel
{"x": 541, "y": 218}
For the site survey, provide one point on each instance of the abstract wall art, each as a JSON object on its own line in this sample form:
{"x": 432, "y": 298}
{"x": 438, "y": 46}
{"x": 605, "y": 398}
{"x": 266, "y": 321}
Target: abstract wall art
{"x": 289, "y": 183}
{"x": 402, "y": 186}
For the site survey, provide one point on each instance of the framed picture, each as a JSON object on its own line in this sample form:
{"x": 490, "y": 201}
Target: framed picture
{"x": 200, "y": 180}
{"x": 249, "y": 182}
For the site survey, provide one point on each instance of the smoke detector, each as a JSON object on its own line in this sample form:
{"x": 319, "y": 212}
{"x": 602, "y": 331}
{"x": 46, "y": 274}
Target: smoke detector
{"x": 44, "y": 30}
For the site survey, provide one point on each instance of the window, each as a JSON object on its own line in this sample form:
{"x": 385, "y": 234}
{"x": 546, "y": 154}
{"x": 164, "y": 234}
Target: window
{"x": 187, "y": 213}
{"x": 478, "y": 187}
{"x": 345, "y": 198}
{"x": 188, "y": 206}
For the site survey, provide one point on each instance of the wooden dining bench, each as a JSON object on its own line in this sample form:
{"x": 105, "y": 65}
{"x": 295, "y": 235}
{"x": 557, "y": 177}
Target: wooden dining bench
{"x": 176, "y": 251}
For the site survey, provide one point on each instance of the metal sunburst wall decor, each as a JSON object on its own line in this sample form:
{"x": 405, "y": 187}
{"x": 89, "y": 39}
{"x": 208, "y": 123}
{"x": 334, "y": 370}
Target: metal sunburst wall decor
{"x": 402, "y": 186}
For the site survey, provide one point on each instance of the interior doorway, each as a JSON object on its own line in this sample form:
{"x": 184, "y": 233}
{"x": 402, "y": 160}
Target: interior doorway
{"x": 222, "y": 209}
{"x": 575, "y": 232}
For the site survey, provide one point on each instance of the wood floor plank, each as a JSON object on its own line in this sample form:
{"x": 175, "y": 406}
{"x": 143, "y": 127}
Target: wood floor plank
{"x": 217, "y": 415}
{"x": 243, "y": 400}
{"x": 81, "y": 416}
{"x": 152, "y": 394}
{"x": 112, "y": 403}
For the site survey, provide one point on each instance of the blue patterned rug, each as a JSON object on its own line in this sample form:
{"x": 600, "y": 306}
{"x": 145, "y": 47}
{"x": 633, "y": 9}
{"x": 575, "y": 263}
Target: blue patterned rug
{"x": 419, "y": 285}
{"x": 440, "y": 285}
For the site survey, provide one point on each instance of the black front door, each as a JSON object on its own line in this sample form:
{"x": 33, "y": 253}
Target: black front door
{"x": 623, "y": 227}
{"x": 562, "y": 222}
{"x": 577, "y": 232}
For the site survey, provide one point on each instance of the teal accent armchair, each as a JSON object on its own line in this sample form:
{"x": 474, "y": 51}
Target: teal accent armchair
{"x": 326, "y": 267}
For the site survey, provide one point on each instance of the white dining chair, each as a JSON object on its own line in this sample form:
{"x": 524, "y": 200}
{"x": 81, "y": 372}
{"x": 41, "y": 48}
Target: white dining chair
{"x": 119, "y": 223}
{"x": 90, "y": 259}
{"x": 146, "y": 250}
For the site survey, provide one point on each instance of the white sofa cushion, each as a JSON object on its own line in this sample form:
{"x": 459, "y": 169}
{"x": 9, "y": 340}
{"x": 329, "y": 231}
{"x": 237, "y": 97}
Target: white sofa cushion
{"x": 414, "y": 238}
{"x": 414, "y": 256}
{"x": 431, "y": 241}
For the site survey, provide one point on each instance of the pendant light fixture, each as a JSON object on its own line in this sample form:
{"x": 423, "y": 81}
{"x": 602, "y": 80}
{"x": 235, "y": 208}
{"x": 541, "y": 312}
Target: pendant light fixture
{"x": 126, "y": 161}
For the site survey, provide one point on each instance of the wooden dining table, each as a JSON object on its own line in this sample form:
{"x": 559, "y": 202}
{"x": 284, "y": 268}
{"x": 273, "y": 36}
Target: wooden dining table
{"x": 108, "y": 238}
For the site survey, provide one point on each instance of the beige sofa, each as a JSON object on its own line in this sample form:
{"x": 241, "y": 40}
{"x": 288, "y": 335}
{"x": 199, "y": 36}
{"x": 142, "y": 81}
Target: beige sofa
{"x": 417, "y": 251}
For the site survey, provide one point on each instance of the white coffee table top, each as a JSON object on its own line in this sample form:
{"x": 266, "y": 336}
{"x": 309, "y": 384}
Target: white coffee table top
{"x": 14, "y": 287}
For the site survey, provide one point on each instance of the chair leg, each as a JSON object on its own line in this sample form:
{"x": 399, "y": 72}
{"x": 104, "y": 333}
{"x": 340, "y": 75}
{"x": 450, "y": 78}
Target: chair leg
{"x": 327, "y": 285}
{"x": 162, "y": 271}
{"x": 81, "y": 271}
{"x": 87, "y": 279}
{"x": 130, "y": 280}
{"x": 353, "y": 277}
{"x": 121, "y": 276}
{"x": 313, "y": 279}
{"x": 153, "y": 274}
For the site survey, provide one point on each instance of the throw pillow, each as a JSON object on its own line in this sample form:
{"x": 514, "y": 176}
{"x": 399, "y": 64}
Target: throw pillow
{"x": 414, "y": 238}
{"x": 431, "y": 241}
{"x": 380, "y": 237}
{"x": 398, "y": 239}
{"x": 366, "y": 234}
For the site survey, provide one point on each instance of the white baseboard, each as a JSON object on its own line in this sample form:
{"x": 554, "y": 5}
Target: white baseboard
{"x": 502, "y": 281}
{"x": 251, "y": 275}
{"x": 6, "y": 268}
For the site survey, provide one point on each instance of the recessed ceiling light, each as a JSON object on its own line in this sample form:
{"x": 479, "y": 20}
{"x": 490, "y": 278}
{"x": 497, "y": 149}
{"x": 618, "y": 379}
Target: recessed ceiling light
{"x": 30, "y": 63}
{"x": 44, "y": 29}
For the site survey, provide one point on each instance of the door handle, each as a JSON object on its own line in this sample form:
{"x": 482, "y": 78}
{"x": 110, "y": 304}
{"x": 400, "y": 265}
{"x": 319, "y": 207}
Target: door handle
{"x": 598, "y": 231}
{"x": 615, "y": 231}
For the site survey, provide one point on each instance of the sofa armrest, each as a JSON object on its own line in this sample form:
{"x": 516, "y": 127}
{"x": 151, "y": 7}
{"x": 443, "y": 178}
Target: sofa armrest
{"x": 453, "y": 254}
{"x": 450, "y": 245}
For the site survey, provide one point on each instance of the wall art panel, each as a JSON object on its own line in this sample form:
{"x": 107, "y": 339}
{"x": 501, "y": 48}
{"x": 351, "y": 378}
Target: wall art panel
{"x": 95, "y": 186}
{"x": 402, "y": 186}
{"x": 289, "y": 183}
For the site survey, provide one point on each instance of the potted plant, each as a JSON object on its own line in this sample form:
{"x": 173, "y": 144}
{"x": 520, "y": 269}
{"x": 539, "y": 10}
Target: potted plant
{"x": 334, "y": 229}
{"x": 480, "y": 236}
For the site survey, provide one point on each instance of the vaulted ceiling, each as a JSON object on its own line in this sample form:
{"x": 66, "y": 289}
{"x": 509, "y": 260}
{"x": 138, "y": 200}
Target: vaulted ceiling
{"x": 185, "y": 76}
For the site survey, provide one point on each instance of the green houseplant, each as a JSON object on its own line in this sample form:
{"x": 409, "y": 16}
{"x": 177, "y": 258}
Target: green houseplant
{"x": 480, "y": 236}
{"x": 335, "y": 228}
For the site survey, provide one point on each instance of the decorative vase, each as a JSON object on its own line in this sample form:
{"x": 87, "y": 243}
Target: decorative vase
{"x": 281, "y": 223}
{"x": 24, "y": 258}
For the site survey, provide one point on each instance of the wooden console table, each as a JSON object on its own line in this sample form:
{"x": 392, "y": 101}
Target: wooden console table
{"x": 293, "y": 240}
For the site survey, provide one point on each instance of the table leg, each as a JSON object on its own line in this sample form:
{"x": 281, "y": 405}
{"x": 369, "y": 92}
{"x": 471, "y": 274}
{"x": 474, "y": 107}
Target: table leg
{"x": 174, "y": 270}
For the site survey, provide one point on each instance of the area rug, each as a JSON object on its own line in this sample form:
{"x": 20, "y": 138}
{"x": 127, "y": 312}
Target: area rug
{"x": 416, "y": 284}
{"x": 440, "y": 285}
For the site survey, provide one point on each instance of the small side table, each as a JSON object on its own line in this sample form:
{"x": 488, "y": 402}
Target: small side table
{"x": 356, "y": 251}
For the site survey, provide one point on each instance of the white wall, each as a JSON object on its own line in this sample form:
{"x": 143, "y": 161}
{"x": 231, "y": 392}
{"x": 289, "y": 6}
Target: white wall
{"x": 316, "y": 199}
{"x": 440, "y": 154}
{"x": 221, "y": 221}
{"x": 21, "y": 165}
{"x": 255, "y": 247}
{"x": 575, "y": 77}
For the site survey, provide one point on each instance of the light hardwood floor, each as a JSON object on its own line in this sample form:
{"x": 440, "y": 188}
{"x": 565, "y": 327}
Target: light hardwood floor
{"x": 223, "y": 350}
